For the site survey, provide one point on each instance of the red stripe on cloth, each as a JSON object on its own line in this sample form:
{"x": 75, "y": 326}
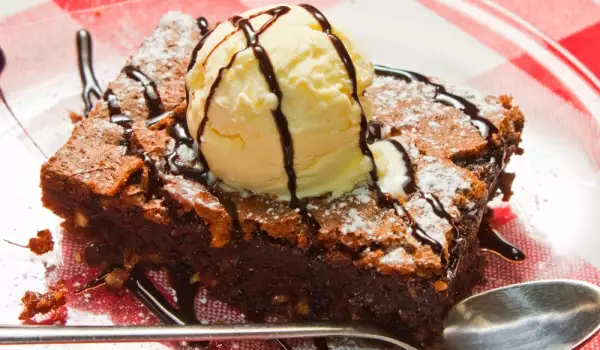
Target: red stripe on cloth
{"x": 25, "y": 38}
{"x": 478, "y": 31}
{"x": 124, "y": 25}
{"x": 556, "y": 18}
{"x": 585, "y": 45}
{"x": 74, "y": 5}
{"x": 541, "y": 74}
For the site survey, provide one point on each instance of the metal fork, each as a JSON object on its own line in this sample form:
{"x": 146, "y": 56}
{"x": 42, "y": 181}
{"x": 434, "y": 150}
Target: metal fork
{"x": 13, "y": 335}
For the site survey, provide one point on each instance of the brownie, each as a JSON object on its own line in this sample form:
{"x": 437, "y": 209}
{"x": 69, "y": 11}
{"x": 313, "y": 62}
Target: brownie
{"x": 130, "y": 185}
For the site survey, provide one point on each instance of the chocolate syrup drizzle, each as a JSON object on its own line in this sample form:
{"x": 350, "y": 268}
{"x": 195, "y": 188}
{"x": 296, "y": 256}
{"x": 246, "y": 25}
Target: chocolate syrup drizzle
{"x": 409, "y": 188}
{"x": 268, "y": 72}
{"x": 138, "y": 283}
{"x": 114, "y": 110}
{"x": 347, "y": 60}
{"x": 151, "y": 95}
{"x": 91, "y": 88}
{"x": 202, "y": 25}
{"x": 490, "y": 240}
{"x": 266, "y": 67}
{"x": 485, "y": 127}
{"x": 382, "y": 198}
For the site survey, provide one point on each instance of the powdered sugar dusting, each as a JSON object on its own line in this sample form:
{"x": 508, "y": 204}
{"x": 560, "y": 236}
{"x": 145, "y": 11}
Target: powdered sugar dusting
{"x": 161, "y": 53}
{"x": 488, "y": 105}
{"x": 186, "y": 153}
{"x": 362, "y": 194}
{"x": 442, "y": 180}
{"x": 355, "y": 223}
{"x": 414, "y": 100}
{"x": 174, "y": 28}
{"x": 397, "y": 257}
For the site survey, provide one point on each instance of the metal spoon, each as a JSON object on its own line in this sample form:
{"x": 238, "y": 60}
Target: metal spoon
{"x": 555, "y": 314}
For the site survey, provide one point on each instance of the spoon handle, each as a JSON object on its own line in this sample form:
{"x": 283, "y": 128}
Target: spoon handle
{"x": 11, "y": 335}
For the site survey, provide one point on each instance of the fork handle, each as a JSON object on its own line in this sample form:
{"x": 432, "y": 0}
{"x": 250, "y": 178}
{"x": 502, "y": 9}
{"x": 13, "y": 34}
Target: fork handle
{"x": 13, "y": 335}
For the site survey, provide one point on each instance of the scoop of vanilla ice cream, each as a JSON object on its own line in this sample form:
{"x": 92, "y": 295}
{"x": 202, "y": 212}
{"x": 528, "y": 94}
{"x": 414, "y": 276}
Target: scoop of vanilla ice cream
{"x": 241, "y": 142}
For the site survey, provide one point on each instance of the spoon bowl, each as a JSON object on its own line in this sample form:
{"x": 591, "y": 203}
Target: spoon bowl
{"x": 553, "y": 314}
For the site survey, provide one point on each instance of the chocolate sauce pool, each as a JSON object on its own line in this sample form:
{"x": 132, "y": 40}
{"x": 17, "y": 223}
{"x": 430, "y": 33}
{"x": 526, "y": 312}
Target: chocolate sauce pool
{"x": 138, "y": 282}
{"x": 490, "y": 240}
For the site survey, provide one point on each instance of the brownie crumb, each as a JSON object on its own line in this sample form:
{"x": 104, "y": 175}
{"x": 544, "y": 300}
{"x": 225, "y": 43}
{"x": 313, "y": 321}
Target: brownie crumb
{"x": 116, "y": 279}
{"x": 75, "y": 117}
{"x": 41, "y": 244}
{"x": 506, "y": 101}
{"x": 43, "y": 303}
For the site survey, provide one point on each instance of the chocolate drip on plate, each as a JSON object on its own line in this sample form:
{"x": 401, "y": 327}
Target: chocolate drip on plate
{"x": 490, "y": 240}
{"x": 486, "y": 127}
{"x": 91, "y": 88}
{"x": 143, "y": 288}
{"x": 186, "y": 292}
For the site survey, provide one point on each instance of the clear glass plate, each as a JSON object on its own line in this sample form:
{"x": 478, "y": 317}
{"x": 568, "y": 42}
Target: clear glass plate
{"x": 552, "y": 215}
